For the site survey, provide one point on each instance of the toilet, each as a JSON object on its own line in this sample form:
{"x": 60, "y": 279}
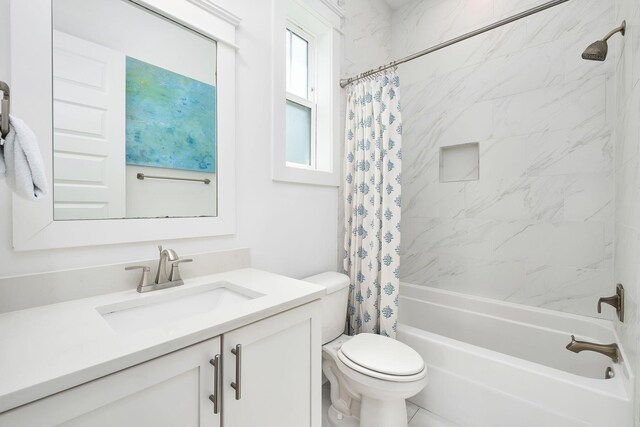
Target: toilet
{"x": 370, "y": 375}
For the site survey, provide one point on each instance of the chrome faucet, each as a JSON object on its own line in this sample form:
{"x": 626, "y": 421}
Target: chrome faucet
{"x": 162, "y": 280}
{"x": 165, "y": 254}
{"x": 609, "y": 350}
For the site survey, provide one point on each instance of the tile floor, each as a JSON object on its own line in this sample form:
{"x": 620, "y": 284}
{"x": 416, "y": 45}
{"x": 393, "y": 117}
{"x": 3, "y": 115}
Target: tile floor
{"x": 417, "y": 416}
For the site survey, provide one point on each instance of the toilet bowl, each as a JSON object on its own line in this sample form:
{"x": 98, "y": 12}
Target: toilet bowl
{"x": 370, "y": 375}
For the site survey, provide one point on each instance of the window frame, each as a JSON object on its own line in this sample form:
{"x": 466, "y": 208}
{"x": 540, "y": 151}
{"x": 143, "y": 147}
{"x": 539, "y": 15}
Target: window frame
{"x": 310, "y": 102}
{"x": 323, "y": 20}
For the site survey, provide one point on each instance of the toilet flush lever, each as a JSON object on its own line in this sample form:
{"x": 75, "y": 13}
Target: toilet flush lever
{"x": 616, "y": 301}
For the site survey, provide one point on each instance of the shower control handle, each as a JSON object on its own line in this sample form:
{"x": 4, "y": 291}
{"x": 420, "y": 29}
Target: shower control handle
{"x": 616, "y": 301}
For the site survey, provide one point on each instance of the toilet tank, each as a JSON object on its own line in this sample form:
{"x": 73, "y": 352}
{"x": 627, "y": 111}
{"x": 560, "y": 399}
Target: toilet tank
{"x": 334, "y": 303}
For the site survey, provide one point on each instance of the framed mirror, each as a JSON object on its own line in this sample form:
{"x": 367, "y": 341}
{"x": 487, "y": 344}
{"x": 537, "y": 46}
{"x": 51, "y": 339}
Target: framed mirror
{"x": 133, "y": 104}
{"x": 134, "y": 114}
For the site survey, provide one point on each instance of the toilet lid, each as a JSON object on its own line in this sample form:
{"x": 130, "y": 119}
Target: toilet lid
{"x": 382, "y": 354}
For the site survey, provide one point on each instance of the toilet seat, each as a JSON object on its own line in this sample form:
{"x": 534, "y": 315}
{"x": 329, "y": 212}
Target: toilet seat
{"x": 383, "y": 358}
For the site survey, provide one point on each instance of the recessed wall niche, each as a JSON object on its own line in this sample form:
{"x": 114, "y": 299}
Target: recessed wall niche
{"x": 460, "y": 162}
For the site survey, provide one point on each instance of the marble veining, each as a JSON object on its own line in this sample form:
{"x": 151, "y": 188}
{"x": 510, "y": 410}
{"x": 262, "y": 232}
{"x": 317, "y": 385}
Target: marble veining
{"x": 554, "y": 220}
{"x": 367, "y": 34}
{"x": 537, "y": 226}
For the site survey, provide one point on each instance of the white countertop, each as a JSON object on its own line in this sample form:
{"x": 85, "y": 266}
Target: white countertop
{"x": 44, "y": 350}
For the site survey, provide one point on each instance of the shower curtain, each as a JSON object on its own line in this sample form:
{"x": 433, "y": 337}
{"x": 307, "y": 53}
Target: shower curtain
{"x": 373, "y": 159}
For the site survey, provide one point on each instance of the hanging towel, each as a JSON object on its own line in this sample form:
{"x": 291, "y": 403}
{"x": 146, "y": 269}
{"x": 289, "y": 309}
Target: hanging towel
{"x": 21, "y": 162}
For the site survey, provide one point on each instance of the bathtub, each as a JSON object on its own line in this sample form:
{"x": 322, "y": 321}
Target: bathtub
{"x": 493, "y": 364}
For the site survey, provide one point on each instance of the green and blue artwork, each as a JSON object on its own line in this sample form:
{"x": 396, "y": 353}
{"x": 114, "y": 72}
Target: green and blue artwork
{"x": 170, "y": 119}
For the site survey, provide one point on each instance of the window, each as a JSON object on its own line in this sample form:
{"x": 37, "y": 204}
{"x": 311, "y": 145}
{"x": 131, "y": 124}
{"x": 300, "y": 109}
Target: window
{"x": 301, "y": 106}
{"x": 306, "y": 92}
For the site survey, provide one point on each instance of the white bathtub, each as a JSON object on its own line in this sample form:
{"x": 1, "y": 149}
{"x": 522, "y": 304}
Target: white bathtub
{"x": 494, "y": 364}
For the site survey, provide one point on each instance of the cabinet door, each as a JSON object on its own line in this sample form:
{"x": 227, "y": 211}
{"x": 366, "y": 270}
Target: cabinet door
{"x": 172, "y": 390}
{"x": 278, "y": 371}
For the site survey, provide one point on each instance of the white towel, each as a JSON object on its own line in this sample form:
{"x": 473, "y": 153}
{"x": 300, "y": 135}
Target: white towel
{"x": 21, "y": 162}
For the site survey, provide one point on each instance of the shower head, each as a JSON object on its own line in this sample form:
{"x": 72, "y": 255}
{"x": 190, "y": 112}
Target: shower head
{"x": 597, "y": 51}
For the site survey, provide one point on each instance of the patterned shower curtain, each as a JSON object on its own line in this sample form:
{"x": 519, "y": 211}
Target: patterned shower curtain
{"x": 373, "y": 160}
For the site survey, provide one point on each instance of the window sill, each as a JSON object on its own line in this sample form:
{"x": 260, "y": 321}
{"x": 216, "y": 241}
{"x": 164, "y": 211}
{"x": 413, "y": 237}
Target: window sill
{"x": 306, "y": 175}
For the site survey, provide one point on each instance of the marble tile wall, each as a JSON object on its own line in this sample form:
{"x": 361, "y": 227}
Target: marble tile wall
{"x": 627, "y": 179}
{"x": 538, "y": 226}
{"x": 367, "y": 35}
{"x": 554, "y": 220}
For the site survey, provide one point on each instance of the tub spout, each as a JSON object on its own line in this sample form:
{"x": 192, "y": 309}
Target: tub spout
{"x": 610, "y": 350}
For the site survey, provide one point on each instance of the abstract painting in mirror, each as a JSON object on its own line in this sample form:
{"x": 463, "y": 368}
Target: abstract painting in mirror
{"x": 134, "y": 114}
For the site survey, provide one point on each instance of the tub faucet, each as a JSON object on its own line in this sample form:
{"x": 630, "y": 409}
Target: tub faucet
{"x": 610, "y": 350}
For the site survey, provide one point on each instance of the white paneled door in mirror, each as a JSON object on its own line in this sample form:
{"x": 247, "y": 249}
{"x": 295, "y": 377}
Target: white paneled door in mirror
{"x": 134, "y": 114}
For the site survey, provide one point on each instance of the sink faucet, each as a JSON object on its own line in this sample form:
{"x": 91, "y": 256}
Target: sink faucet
{"x": 162, "y": 280}
{"x": 165, "y": 254}
{"x": 174, "y": 278}
{"x": 609, "y": 350}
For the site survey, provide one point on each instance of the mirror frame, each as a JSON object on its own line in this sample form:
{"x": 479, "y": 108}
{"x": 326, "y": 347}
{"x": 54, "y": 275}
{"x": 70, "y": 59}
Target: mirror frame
{"x": 32, "y": 100}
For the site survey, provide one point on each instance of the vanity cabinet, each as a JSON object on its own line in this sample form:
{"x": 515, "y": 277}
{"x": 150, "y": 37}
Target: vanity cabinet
{"x": 269, "y": 375}
{"x": 279, "y": 385}
{"x": 172, "y": 390}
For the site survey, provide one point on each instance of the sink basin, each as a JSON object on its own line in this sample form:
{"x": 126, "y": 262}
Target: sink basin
{"x": 169, "y": 307}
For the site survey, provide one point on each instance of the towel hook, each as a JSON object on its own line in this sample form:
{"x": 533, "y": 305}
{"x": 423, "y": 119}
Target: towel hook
{"x": 6, "y": 109}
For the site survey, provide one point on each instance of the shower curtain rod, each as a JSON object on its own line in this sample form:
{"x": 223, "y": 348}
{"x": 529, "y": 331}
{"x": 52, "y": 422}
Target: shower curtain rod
{"x": 544, "y": 6}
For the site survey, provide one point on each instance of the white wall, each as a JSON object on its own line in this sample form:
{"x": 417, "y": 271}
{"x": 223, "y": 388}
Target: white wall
{"x": 285, "y": 225}
{"x": 536, "y": 228}
{"x": 627, "y": 166}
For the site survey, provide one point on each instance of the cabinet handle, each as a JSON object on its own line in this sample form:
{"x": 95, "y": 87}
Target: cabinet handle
{"x": 216, "y": 380}
{"x": 237, "y": 384}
